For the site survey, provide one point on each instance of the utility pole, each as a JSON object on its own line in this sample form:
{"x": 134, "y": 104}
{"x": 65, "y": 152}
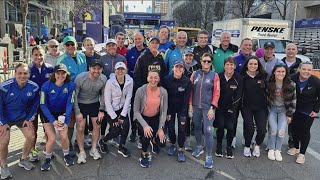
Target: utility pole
{"x": 294, "y": 21}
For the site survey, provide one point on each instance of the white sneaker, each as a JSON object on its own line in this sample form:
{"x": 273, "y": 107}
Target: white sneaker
{"x": 278, "y": 156}
{"x": 247, "y": 152}
{"x": 82, "y": 158}
{"x": 271, "y": 155}
{"x": 234, "y": 142}
{"x": 256, "y": 151}
{"x": 95, "y": 154}
{"x": 293, "y": 151}
{"x": 300, "y": 159}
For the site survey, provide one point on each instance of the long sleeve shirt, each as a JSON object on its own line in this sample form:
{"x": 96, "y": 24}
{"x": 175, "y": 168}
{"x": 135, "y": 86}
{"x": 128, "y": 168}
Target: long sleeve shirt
{"x": 18, "y": 103}
{"x": 57, "y": 99}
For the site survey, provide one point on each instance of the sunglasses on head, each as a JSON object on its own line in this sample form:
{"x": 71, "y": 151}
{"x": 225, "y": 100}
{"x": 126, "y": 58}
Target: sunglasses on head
{"x": 53, "y": 46}
{"x": 207, "y": 61}
{"x": 69, "y": 44}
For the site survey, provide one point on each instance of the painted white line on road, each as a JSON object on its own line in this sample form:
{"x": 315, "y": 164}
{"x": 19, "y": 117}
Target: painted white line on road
{"x": 200, "y": 161}
{"x": 313, "y": 153}
{"x": 14, "y": 163}
{"x": 114, "y": 154}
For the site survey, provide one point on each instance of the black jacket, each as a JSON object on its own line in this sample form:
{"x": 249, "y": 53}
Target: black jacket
{"x": 198, "y": 51}
{"x": 178, "y": 94}
{"x": 230, "y": 92}
{"x": 188, "y": 71}
{"x": 145, "y": 63}
{"x": 294, "y": 67}
{"x": 254, "y": 94}
{"x": 308, "y": 99}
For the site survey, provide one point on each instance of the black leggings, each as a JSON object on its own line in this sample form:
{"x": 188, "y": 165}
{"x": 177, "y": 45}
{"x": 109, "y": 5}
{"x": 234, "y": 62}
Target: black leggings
{"x": 153, "y": 122}
{"x": 260, "y": 118}
{"x": 181, "y": 129}
{"x": 224, "y": 120}
{"x": 114, "y": 131}
{"x": 301, "y": 125}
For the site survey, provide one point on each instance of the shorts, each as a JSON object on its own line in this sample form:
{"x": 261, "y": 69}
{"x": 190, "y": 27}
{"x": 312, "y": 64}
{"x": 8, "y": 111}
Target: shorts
{"x": 18, "y": 123}
{"x": 55, "y": 115}
{"x": 91, "y": 110}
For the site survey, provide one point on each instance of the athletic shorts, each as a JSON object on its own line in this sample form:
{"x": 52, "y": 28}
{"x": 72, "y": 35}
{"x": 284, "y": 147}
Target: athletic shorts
{"x": 91, "y": 110}
{"x": 55, "y": 115}
{"x": 18, "y": 123}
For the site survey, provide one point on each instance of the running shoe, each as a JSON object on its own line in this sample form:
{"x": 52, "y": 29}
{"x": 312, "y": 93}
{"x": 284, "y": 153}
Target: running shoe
{"x": 82, "y": 158}
{"x": 277, "y": 155}
{"x": 218, "y": 152}
{"x": 144, "y": 160}
{"x": 229, "y": 153}
{"x": 154, "y": 148}
{"x": 208, "y": 163}
{"x": 172, "y": 150}
{"x": 103, "y": 147}
{"x": 5, "y": 172}
{"x": 33, "y": 156}
{"x": 68, "y": 160}
{"x": 300, "y": 159}
{"x": 247, "y": 152}
{"x": 95, "y": 154}
{"x": 181, "y": 157}
{"x": 256, "y": 151}
{"x": 271, "y": 155}
{"x": 198, "y": 151}
{"x": 46, "y": 165}
{"x": 293, "y": 151}
{"x": 26, "y": 164}
{"x": 124, "y": 152}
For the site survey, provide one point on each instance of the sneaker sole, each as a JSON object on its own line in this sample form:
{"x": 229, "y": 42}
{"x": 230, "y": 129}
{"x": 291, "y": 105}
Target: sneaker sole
{"x": 218, "y": 155}
{"x": 188, "y": 149}
{"x": 67, "y": 163}
{"x": 123, "y": 154}
{"x": 6, "y": 177}
{"x": 201, "y": 152}
{"x": 45, "y": 169}
{"x": 24, "y": 167}
{"x": 142, "y": 164}
{"x": 100, "y": 149}
{"x": 81, "y": 162}
{"x": 208, "y": 167}
{"x": 229, "y": 157}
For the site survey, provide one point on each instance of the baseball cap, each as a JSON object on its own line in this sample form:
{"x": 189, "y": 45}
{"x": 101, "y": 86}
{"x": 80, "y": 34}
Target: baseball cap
{"x": 178, "y": 62}
{"x": 96, "y": 62}
{"x": 269, "y": 44}
{"x": 154, "y": 37}
{"x": 188, "y": 51}
{"x": 111, "y": 41}
{"x": 120, "y": 65}
{"x": 69, "y": 38}
{"x": 60, "y": 67}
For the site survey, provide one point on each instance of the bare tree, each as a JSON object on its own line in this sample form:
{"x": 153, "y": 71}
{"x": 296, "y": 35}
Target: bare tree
{"x": 245, "y": 8}
{"x": 220, "y": 10}
{"x": 189, "y": 15}
{"x": 281, "y": 6}
{"x": 24, "y": 6}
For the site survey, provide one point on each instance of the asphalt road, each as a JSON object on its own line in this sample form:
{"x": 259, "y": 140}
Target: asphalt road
{"x": 113, "y": 166}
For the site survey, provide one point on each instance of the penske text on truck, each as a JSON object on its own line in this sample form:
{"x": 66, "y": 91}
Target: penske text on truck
{"x": 259, "y": 30}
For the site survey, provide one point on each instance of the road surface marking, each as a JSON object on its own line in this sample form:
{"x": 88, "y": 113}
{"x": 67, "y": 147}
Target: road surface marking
{"x": 313, "y": 153}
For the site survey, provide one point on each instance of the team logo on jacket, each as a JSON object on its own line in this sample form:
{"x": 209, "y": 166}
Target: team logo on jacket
{"x": 29, "y": 94}
{"x": 52, "y": 91}
{"x": 33, "y": 76}
{"x": 233, "y": 87}
{"x": 11, "y": 94}
{"x": 65, "y": 90}
{"x": 208, "y": 81}
{"x": 48, "y": 75}
{"x": 181, "y": 89}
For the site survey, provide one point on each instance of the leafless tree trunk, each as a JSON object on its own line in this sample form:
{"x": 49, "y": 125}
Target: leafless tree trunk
{"x": 24, "y": 4}
{"x": 244, "y": 8}
{"x": 281, "y": 6}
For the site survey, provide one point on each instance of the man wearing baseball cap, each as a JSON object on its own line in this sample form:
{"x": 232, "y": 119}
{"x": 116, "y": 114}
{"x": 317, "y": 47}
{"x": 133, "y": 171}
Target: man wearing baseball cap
{"x": 268, "y": 60}
{"x": 111, "y": 58}
{"x": 190, "y": 64}
{"x": 76, "y": 64}
{"x": 89, "y": 101}
{"x": 178, "y": 87}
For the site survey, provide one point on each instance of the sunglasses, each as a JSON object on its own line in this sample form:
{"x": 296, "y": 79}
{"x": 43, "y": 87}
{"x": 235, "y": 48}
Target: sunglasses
{"x": 206, "y": 61}
{"x": 53, "y": 46}
{"x": 69, "y": 44}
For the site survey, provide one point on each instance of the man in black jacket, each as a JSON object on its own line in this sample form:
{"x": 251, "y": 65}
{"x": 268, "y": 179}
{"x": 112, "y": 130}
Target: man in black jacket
{"x": 293, "y": 63}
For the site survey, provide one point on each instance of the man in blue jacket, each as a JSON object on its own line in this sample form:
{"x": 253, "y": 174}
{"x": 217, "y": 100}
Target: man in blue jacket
{"x": 19, "y": 100}
{"x": 76, "y": 64}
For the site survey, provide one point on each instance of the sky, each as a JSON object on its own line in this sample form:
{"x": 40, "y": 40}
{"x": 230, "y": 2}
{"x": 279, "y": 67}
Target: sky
{"x": 137, "y": 6}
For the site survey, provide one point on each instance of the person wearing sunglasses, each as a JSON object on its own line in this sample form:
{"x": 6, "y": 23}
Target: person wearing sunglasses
{"x": 281, "y": 104}
{"x": 307, "y": 109}
{"x": 203, "y": 101}
{"x": 118, "y": 94}
{"x": 89, "y": 101}
{"x": 76, "y": 64}
{"x": 53, "y": 52}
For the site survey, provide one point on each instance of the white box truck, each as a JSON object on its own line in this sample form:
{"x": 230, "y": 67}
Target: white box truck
{"x": 259, "y": 30}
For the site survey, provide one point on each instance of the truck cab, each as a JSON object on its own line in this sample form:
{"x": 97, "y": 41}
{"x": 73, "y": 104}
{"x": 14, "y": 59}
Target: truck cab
{"x": 280, "y": 46}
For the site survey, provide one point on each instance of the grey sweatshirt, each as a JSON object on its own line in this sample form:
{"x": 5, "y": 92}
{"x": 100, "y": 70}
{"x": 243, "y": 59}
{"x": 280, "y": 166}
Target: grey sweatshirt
{"x": 52, "y": 59}
{"x": 89, "y": 91}
{"x": 140, "y": 102}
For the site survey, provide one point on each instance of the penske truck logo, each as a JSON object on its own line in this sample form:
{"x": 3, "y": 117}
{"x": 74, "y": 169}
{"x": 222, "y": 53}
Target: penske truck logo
{"x": 267, "y": 29}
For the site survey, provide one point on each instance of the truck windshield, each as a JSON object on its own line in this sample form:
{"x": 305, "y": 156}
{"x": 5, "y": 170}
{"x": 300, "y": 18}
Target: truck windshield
{"x": 280, "y": 44}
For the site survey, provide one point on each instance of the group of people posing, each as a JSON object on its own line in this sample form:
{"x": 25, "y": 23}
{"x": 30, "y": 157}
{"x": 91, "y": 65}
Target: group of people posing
{"x": 150, "y": 89}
